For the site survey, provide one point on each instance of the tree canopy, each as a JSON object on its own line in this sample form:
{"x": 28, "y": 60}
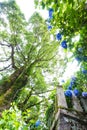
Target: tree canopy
{"x": 27, "y": 54}
{"x": 70, "y": 18}
{"x": 30, "y": 51}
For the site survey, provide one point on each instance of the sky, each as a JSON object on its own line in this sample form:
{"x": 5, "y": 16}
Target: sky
{"x": 28, "y": 8}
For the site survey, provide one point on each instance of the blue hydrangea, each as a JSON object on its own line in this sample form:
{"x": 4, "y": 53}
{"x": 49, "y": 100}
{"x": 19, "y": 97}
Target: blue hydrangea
{"x": 84, "y": 71}
{"x": 62, "y": 81}
{"x": 51, "y": 13}
{"x": 70, "y": 87}
{"x": 58, "y": 36}
{"x": 80, "y": 49}
{"x": 76, "y": 92}
{"x": 68, "y": 93}
{"x": 63, "y": 44}
{"x": 72, "y": 83}
{"x": 84, "y": 94}
{"x": 49, "y": 27}
{"x": 37, "y": 123}
{"x": 78, "y": 58}
{"x": 73, "y": 78}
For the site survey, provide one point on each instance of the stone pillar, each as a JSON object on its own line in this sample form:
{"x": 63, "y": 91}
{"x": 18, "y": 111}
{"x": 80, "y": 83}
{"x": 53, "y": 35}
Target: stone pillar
{"x": 69, "y": 119}
{"x": 76, "y": 103}
{"x": 84, "y": 103}
{"x": 63, "y": 123}
{"x": 61, "y": 101}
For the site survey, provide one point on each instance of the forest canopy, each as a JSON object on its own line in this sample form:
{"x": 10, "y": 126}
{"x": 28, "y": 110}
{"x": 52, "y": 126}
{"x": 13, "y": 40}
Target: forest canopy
{"x": 31, "y": 63}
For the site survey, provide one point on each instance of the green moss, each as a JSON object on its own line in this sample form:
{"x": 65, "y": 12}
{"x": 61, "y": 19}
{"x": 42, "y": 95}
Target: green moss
{"x": 3, "y": 80}
{"x": 69, "y": 102}
{"x": 3, "y": 101}
{"x": 71, "y": 110}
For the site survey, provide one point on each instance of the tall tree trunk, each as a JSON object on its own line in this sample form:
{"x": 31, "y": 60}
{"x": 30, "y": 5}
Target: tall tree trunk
{"x": 11, "y": 87}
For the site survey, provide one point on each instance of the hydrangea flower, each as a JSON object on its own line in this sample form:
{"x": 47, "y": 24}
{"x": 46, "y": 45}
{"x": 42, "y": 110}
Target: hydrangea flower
{"x": 62, "y": 81}
{"x": 37, "y": 123}
{"x": 63, "y": 44}
{"x": 73, "y": 78}
{"x": 84, "y": 71}
{"x": 72, "y": 83}
{"x": 78, "y": 58}
{"x": 68, "y": 93}
{"x": 70, "y": 87}
{"x": 84, "y": 94}
{"x": 51, "y": 13}
{"x": 76, "y": 92}
{"x": 58, "y": 36}
{"x": 80, "y": 49}
{"x": 49, "y": 27}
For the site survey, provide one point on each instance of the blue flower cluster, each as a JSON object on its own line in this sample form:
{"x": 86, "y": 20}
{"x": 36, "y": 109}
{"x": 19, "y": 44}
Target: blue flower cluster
{"x": 62, "y": 81}
{"x": 84, "y": 71}
{"x": 74, "y": 78}
{"x": 69, "y": 90}
{"x": 81, "y": 58}
{"x": 50, "y": 17}
{"x": 63, "y": 44}
{"x": 50, "y": 13}
{"x": 58, "y": 36}
{"x": 49, "y": 27}
{"x": 72, "y": 83}
{"x": 78, "y": 58}
{"x": 37, "y": 123}
{"x": 76, "y": 92}
{"x": 68, "y": 93}
{"x": 84, "y": 94}
{"x": 70, "y": 87}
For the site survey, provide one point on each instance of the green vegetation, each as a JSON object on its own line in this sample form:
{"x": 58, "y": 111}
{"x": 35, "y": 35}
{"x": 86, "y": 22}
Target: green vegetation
{"x": 30, "y": 54}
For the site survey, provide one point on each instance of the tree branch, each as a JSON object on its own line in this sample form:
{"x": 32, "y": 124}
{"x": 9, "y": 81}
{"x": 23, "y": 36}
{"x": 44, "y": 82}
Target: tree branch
{"x": 34, "y": 104}
{"x": 12, "y": 57}
{"x": 6, "y": 59}
{"x": 5, "y": 68}
{"x": 44, "y": 92}
{"x": 17, "y": 48}
{"x": 5, "y": 44}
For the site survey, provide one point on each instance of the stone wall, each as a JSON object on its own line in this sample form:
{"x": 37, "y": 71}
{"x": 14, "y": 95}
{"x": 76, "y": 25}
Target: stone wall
{"x": 70, "y": 119}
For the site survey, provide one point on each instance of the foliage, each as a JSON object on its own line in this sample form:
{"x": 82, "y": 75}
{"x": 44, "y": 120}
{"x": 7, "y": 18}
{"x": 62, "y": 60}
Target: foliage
{"x": 70, "y": 17}
{"x": 12, "y": 119}
{"x": 50, "y": 112}
{"x": 29, "y": 53}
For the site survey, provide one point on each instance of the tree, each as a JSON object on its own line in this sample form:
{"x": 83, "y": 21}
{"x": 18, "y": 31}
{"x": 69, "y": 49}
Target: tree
{"x": 27, "y": 52}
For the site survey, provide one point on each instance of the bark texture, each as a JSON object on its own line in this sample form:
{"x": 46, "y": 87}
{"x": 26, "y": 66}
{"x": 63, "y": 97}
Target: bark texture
{"x": 10, "y": 88}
